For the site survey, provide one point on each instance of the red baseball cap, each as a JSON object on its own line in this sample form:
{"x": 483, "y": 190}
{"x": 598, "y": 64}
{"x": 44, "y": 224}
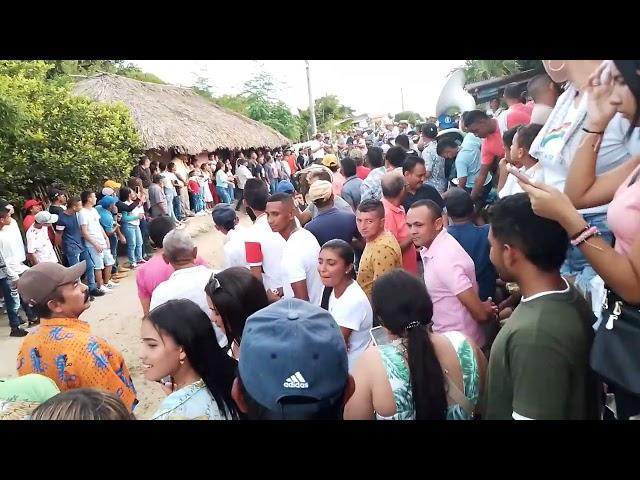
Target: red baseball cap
{"x": 31, "y": 203}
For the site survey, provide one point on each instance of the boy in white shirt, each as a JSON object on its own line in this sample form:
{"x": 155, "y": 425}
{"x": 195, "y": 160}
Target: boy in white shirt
{"x": 39, "y": 248}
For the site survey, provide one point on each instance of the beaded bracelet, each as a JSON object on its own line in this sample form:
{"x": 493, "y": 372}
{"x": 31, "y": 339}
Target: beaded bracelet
{"x": 587, "y": 234}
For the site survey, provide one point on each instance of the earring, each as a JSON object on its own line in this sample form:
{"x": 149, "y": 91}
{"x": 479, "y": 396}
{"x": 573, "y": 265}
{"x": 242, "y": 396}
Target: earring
{"x": 556, "y": 69}
{"x": 181, "y": 362}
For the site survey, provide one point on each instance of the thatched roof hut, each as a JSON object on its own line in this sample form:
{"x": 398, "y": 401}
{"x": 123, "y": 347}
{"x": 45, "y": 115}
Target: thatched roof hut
{"x": 168, "y": 116}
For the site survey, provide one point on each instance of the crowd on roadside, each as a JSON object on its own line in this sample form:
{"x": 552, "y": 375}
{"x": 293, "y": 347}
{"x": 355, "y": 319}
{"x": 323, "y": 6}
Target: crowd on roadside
{"x": 484, "y": 266}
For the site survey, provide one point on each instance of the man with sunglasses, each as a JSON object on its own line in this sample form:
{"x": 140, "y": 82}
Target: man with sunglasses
{"x": 188, "y": 280}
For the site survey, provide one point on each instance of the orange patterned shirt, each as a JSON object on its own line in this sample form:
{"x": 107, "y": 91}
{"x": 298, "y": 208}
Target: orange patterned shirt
{"x": 65, "y": 350}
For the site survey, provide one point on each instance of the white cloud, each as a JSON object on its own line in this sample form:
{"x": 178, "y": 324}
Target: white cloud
{"x": 371, "y": 86}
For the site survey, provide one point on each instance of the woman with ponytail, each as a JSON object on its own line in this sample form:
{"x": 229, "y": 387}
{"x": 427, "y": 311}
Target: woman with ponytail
{"x": 416, "y": 374}
{"x": 178, "y": 342}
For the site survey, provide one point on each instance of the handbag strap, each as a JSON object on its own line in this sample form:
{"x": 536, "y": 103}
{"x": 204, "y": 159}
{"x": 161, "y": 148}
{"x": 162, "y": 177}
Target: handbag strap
{"x": 458, "y": 397}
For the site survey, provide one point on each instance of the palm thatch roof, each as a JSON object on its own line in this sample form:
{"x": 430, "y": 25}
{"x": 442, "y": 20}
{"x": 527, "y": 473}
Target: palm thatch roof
{"x": 169, "y": 116}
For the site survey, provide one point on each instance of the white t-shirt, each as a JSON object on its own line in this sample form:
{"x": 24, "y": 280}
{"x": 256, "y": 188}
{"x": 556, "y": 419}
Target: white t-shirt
{"x": 188, "y": 283}
{"x": 91, "y": 218}
{"x": 243, "y": 174}
{"x": 353, "y": 311}
{"x": 39, "y": 244}
{"x": 234, "y": 251}
{"x": 12, "y": 250}
{"x": 320, "y": 153}
{"x": 168, "y": 183}
{"x": 264, "y": 247}
{"x": 300, "y": 262}
{"x": 511, "y": 187}
{"x": 556, "y": 160}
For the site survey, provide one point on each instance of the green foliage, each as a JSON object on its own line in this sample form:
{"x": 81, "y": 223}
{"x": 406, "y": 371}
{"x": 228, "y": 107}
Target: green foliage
{"x": 478, "y": 70}
{"x": 63, "y": 71}
{"x": 48, "y": 135}
{"x": 409, "y": 116}
{"x": 237, "y": 103}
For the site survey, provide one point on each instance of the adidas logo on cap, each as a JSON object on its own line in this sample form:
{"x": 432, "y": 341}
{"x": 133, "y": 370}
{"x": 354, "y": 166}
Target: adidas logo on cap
{"x": 296, "y": 381}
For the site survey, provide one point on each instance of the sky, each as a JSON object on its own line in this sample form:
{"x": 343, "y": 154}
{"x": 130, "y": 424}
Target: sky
{"x": 367, "y": 86}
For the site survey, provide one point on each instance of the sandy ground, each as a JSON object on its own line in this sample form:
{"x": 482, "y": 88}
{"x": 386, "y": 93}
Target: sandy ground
{"x": 116, "y": 317}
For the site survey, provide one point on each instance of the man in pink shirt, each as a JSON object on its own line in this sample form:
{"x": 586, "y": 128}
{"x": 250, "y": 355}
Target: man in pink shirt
{"x": 449, "y": 275}
{"x": 393, "y": 193}
{"x": 156, "y": 270}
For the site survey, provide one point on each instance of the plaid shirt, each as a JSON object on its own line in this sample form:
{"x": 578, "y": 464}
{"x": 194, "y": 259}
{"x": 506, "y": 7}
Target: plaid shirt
{"x": 64, "y": 350}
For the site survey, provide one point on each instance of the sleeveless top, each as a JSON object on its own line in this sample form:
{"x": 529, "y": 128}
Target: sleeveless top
{"x": 399, "y": 378}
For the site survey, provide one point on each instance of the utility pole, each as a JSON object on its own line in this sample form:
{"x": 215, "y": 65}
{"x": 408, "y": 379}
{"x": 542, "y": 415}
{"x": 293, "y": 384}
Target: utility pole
{"x": 312, "y": 110}
{"x": 402, "y": 99}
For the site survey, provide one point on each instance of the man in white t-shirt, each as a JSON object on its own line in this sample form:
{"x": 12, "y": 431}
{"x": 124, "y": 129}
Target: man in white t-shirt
{"x": 317, "y": 147}
{"x": 263, "y": 247}
{"x": 226, "y": 222}
{"x": 300, "y": 254}
{"x": 39, "y": 248}
{"x": 188, "y": 279}
{"x": 96, "y": 241}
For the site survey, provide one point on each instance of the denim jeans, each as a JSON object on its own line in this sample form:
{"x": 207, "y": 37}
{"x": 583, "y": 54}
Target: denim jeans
{"x": 113, "y": 246}
{"x": 73, "y": 258}
{"x": 170, "y": 203}
{"x": 11, "y": 303}
{"x": 25, "y": 305}
{"x": 223, "y": 193}
{"x": 232, "y": 194}
{"x": 177, "y": 207}
{"x": 134, "y": 241}
{"x": 576, "y": 265}
{"x": 274, "y": 185}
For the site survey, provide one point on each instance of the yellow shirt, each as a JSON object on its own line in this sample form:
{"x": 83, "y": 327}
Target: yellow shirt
{"x": 379, "y": 257}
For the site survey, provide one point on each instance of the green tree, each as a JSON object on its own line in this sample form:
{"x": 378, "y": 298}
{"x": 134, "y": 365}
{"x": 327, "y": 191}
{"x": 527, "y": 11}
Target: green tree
{"x": 48, "y": 135}
{"x": 478, "y": 70}
{"x": 65, "y": 70}
{"x": 409, "y": 116}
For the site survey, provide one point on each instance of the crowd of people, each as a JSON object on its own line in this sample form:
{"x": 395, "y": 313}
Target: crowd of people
{"x": 480, "y": 267}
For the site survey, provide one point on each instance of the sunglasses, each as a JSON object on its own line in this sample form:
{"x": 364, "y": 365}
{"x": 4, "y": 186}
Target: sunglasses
{"x": 215, "y": 283}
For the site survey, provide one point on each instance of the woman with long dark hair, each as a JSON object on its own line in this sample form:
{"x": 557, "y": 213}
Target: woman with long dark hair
{"x": 413, "y": 374}
{"x": 613, "y": 88}
{"x": 347, "y": 303}
{"x": 131, "y": 227}
{"x": 179, "y": 342}
{"x": 233, "y": 295}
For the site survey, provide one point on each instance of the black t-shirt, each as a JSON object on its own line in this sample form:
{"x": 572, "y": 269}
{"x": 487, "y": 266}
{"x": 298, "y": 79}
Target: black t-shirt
{"x": 425, "y": 192}
{"x": 56, "y": 210}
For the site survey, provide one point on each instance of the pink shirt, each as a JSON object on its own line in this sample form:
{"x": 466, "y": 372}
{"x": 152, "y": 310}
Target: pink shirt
{"x": 623, "y": 215}
{"x": 154, "y": 272}
{"x": 338, "y": 182}
{"x": 492, "y": 147}
{"x": 395, "y": 220}
{"x": 449, "y": 271}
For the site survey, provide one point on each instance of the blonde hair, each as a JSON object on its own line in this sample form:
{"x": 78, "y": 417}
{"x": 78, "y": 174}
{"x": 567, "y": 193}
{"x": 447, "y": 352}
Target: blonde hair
{"x": 83, "y": 404}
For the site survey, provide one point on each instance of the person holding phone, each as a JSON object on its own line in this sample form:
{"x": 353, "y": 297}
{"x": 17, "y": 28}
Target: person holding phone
{"x": 347, "y": 302}
{"x": 613, "y": 91}
{"x": 418, "y": 375}
{"x": 178, "y": 341}
{"x": 520, "y": 158}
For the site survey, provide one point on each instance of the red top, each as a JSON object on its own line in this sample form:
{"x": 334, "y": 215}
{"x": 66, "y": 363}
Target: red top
{"x": 362, "y": 172}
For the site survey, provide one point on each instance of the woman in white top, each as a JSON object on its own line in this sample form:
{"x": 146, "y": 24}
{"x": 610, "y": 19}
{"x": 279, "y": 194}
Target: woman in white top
{"x": 348, "y": 304}
{"x": 519, "y": 157}
{"x": 178, "y": 342}
{"x": 223, "y": 183}
{"x": 204, "y": 186}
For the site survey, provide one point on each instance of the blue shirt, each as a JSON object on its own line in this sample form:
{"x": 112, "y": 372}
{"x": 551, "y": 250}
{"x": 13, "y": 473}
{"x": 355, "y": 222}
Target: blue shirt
{"x": 71, "y": 237}
{"x": 475, "y": 241}
{"x": 333, "y": 223}
{"x": 468, "y": 160}
{"x": 106, "y": 219}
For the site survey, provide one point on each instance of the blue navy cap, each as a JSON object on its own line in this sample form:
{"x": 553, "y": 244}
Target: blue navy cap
{"x": 285, "y": 186}
{"x": 223, "y": 214}
{"x": 292, "y": 348}
{"x": 445, "y": 121}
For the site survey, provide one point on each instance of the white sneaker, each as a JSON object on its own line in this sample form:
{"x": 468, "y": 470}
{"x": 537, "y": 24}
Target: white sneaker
{"x": 104, "y": 289}
{"x": 111, "y": 285}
